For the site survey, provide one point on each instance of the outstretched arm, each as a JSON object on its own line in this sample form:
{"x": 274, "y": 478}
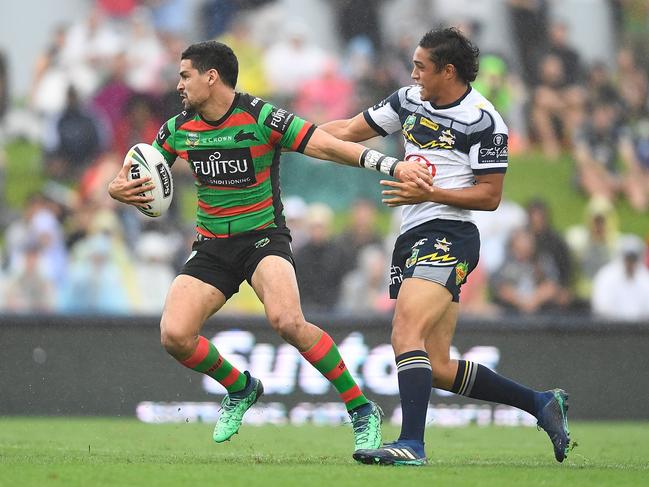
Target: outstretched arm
{"x": 322, "y": 145}
{"x": 353, "y": 129}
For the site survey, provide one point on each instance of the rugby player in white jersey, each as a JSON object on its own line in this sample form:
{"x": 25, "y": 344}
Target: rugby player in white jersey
{"x": 457, "y": 132}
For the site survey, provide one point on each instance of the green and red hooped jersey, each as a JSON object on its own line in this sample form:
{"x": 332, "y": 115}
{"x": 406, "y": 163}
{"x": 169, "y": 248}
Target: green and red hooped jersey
{"x": 235, "y": 162}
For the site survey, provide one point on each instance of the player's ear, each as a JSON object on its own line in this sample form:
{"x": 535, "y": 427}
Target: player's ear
{"x": 213, "y": 76}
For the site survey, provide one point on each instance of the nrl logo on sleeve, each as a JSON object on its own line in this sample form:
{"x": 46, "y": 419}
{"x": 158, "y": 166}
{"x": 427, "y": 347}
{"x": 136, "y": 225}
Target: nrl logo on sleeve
{"x": 193, "y": 139}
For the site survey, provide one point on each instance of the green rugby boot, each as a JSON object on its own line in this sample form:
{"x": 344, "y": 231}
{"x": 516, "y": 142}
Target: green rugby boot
{"x": 553, "y": 418}
{"x": 234, "y": 406}
{"x": 366, "y": 424}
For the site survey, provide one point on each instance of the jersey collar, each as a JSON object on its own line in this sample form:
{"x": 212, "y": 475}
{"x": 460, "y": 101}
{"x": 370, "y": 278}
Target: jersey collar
{"x": 455, "y": 103}
{"x": 218, "y": 122}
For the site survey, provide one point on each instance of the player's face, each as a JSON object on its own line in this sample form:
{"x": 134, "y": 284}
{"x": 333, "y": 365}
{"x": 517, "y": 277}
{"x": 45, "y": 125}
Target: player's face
{"x": 427, "y": 75}
{"x": 193, "y": 85}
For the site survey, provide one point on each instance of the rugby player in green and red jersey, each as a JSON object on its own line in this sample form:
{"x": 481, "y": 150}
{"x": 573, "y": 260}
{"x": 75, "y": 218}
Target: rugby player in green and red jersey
{"x": 232, "y": 142}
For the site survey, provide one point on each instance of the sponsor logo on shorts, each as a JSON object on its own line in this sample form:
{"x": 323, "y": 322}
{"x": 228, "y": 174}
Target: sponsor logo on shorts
{"x": 413, "y": 258}
{"x": 461, "y": 271}
{"x": 396, "y": 275}
{"x": 262, "y": 243}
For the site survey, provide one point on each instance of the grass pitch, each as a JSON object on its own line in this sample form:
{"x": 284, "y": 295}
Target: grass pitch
{"x": 124, "y": 452}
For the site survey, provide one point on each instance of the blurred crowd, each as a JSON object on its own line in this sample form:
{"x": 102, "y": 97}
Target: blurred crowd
{"x": 108, "y": 81}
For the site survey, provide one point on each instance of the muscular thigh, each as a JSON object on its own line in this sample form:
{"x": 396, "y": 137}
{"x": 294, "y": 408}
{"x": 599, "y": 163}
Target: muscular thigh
{"x": 189, "y": 303}
{"x": 275, "y": 283}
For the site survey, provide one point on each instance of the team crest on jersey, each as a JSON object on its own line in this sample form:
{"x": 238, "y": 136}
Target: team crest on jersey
{"x": 461, "y": 271}
{"x": 413, "y": 258}
{"x": 193, "y": 139}
{"x": 447, "y": 138}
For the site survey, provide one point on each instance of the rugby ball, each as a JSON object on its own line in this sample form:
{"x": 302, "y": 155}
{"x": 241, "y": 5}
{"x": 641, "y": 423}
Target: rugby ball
{"x": 146, "y": 161}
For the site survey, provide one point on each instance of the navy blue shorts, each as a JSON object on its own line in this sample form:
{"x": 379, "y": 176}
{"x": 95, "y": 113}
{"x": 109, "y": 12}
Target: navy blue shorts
{"x": 226, "y": 262}
{"x": 442, "y": 251}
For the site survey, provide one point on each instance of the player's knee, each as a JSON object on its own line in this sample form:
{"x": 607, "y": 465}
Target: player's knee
{"x": 176, "y": 342}
{"x": 286, "y": 324}
{"x": 406, "y": 338}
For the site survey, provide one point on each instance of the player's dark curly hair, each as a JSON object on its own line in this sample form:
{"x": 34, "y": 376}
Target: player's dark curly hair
{"x": 450, "y": 46}
{"x": 214, "y": 55}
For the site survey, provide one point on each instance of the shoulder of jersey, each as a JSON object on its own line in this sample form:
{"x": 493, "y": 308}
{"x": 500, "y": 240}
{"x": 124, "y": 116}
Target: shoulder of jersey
{"x": 146, "y": 161}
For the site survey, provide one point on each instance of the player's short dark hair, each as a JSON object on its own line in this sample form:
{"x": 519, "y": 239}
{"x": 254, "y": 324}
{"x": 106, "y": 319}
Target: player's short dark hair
{"x": 214, "y": 55}
{"x": 450, "y": 46}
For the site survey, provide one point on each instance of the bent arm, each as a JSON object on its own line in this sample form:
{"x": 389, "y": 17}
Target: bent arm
{"x": 484, "y": 195}
{"x": 352, "y": 129}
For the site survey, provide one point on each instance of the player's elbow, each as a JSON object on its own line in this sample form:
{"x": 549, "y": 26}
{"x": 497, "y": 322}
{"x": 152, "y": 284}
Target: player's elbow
{"x": 492, "y": 202}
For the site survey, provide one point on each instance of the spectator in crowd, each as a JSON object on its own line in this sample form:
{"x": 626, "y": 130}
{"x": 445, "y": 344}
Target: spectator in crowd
{"x": 598, "y": 144}
{"x": 291, "y": 61}
{"x": 89, "y": 46}
{"x": 173, "y": 16}
{"x": 319, "y": 273}
{"x": 593, "y": 244}
{"x": 4, "y": 86}
{"x": 28, "y": 288}
{"x": 252, "y": 78}
{"x": 360, "y": 232}
{"x": 95, "y": 284}
{"x": 570, "y": 59}
{"x": 365, "y": 288}
{"x": 551, "y": 245}
{"x": 145, "y": 55}
{"x": 621, "y": 287}
{"x": 328, "y": 96}
{"x": 74, "y": 143}
{"x": 599, "y": 83}
{"x": 111, "y": 98}
{"x": 527, "y": 282}
{"x": 528, "y": 19}
{"x": 140, "y": 124}
{"x": 631, "y": 79}
{"x": 495, "y": 228}
{"x": 556, "y": 107}
{"x": 38, "y": 224}
{"x": 358, "y": 18}
{"x": 476, "y": 295}
{"x": 153, "y": 272}
{"x": 295, "y": 211}
{"x": 50, "y": 81}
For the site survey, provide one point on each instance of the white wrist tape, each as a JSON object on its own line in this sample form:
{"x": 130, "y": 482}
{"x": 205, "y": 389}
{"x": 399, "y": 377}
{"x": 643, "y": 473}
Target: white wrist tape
{"x": 373, "y": 159}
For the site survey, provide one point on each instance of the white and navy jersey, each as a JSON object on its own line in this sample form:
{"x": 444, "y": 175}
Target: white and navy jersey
{"x": 456, "y": 141}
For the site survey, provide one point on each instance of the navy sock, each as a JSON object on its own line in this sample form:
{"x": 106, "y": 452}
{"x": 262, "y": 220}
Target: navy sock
{"x": 479, "y": 382}
{"x": 415, "y": 383}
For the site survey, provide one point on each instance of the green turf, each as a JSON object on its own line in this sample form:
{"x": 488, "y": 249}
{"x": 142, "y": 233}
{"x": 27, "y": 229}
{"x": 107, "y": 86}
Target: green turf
{"x": 121, "y": 452}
